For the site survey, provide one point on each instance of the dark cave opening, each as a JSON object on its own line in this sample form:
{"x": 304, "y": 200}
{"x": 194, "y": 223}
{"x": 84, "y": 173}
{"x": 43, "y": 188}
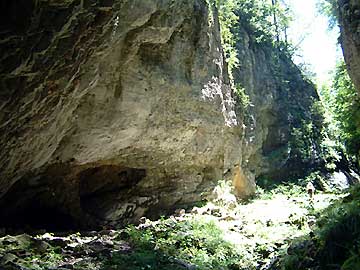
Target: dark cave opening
{"x": 15, "y": 15}
{"x": 35, "y": 203}
{"x": 59, "y": 203}
{"x": 39, "y": 217}
{"x": 100, "y": 187}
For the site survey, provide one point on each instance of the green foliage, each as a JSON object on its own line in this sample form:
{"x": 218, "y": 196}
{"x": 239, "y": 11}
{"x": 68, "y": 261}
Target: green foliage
{"x": 257, "y": 18}
{"x": 43, "y": 261}
{"x": 303, "y": 141}
{"x": 318, "y": 180}
{"x": 343, "y": 107}
{"x": 316, "y": 142}
{"x": 228, "y": 20}
{"x": 347, "y": 109}
{"x": 268, "y": 190}
{"x": 335, "y": 242}
{"x": 141, "y": 259}
{"x": 352, "y": 263}
{"x": 341, "y": 216}
{"x": 339, "y": 231}
{"x": 195, "y": 242}
{"x": 243, "y": 97}
{"x": 329, "y": 9}
{"x": 39, "y": 255}
{"x": 306, "y": 139}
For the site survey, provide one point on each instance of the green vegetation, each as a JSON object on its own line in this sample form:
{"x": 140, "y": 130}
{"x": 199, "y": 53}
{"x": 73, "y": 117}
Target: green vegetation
{"x": 243, "y": 97}
{"x": 306, "y": 139}
{"x": 266, "y": 22}
{"x": 314, "y": 142}
{"x": 343, "y": 102}
{"x": 29, "y": 252}
{"x": 265, "y": 19}
{"x": 280, "y": 228}
{"x": 194, "y": 241}
{"x": 228, "y": 19}
{"x": 334, "y": 242}
{"x": 222, "y": 234}
{"x": 329, "y": 9}
{"x": 339, "y": 231}
{"x": 268, "y": 190}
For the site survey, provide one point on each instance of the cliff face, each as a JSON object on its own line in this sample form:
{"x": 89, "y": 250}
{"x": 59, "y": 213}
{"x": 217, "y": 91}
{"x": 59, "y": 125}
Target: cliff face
{"x": 115, "y": 109}
{"x": 112, "y": 109}
{"x": 349, "y": 19}
{"x": 281, "y": 100}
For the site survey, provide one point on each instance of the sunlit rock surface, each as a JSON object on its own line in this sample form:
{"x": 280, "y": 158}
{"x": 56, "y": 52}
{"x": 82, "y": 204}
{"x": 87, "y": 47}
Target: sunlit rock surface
{"x": 115, "y": 109}
{"x": 111, "y": 110}
{"x": 349, "y": 19}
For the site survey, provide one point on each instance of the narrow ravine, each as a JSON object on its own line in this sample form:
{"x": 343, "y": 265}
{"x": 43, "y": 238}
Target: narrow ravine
{"x": 187, "y": 134}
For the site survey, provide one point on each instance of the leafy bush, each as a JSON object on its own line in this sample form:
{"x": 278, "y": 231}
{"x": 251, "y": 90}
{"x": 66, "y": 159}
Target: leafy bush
{"x": 346, "y": 109}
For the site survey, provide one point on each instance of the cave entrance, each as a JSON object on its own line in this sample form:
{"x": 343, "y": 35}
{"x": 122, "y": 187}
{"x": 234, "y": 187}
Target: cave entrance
{"x": 101, "y": 187}
{"x": 38, "y": 217}
{"x": 31, "y": 208}
{"x": 58, "y": 203}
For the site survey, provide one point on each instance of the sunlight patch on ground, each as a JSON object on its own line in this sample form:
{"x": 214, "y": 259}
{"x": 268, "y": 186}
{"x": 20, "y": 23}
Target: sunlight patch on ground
{"x": 269, "y": 224}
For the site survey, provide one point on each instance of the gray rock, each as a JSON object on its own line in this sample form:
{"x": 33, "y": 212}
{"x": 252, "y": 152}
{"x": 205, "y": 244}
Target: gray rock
{"x": 118, "y": 111}
{"x": 349, "y": 21}
{"x": 280, "y": 100}
{"x": 124, "y": 111}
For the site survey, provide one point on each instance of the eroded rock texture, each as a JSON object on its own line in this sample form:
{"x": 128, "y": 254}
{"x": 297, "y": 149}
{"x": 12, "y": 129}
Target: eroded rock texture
{"x": 115, "y": 109}
{"x": 349, "y": 19}
{"x": 281, "y": 99}
{"x": 111, "y": 109}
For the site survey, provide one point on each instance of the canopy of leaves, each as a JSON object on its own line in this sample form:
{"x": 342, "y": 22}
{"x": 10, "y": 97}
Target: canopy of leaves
{"x": 265, "y": 21}
{"x": 344, "y": 103}
{"x": 329, "y": 9}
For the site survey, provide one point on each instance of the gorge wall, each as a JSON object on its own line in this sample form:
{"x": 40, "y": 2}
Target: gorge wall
{"x": 115, "y": 109}
{"x": 281, "y": 100}
{"x": 111, "y": 110}
{"x": 349, "y": 21}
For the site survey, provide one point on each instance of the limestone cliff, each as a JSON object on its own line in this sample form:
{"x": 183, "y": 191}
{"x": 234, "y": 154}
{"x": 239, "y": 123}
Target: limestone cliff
{"x": 281, "y": 100}
{"x": 115, "y": 109}
{"x": 111, "y": 109}
{"x": 349, "y": 20}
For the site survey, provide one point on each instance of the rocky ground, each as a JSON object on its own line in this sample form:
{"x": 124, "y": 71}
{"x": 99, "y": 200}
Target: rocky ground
{"x": 218, "y": 235}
